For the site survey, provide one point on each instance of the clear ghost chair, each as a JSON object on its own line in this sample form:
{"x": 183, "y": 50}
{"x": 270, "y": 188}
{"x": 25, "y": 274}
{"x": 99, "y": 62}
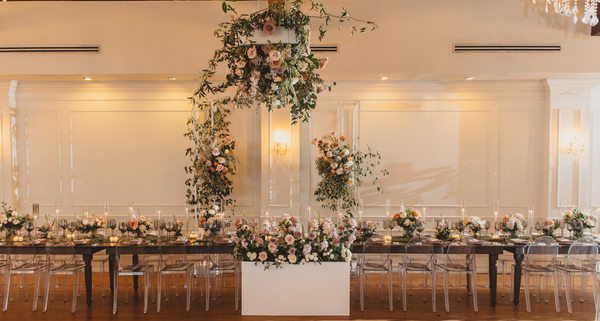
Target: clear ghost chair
{"x": 127, "y": 266}
{"x": 460, "y": 259}
{"x": 25, "y": 265}
{"x": 369, "y": 263}
{"x": 61, "y": 260}
{"x": 540, "y": 260}
{"x": 418, "y": 259}
{"x": 581, "y": 262}
{"x": 180, "y": 267}
{"x": 215, "y": 268}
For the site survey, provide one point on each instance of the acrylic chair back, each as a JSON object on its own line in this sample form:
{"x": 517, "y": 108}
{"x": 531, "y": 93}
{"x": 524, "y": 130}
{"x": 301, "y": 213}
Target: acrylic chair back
{"x": 583, "y": 252}
{"x": 21, "y": 254}
{"x": 60, "y": 253}
{"x": 541, "y": 252}
{"x": 125, "y": 260}
{"x": 419, "y": 250}
{"x": 371, "y": 247}
{"x": 460, "y": 255}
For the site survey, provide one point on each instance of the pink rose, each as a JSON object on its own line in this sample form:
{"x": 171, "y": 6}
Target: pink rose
{"x": 260, "y": 242}
{"x": 292, "y": 251}
{"x": 352, "y": 238}
{"x": 333, "y": 134}
{"x": 219, "y": 168}
{"x": 240, "y": 64}
{"x": 336, "y": 242}
{"x": 272, "y": 247}
{"x": 252, "y": 52}
{"x": 269, "y": 27}
{"x": 312, "y": 235}
{"x": 208, "y": 163}
{"x": 274, "y": 56}
{"x": 251, "y": 237}
{"x": 333, "y": 165}
{"x": 285, "y": 216}
{"x": 228, "y": 139}
{"x": 244, "y": 244}
{"x": 323, "y": 62}
{"x": 279, "y": 70}
{"x": 297, "y": 234}
{"x": 239, "y": 72}
{"x": 342, "y": 138}
{"x": 216, "y": 152}
{"x": 265, "y": 48}
{"x": 329, "y": 154}
{"x": 289, "y": 239}
{"x": 320, "y": 142}
{"x": 275, "y": 64}
{"x": 324, "y": 246}
{"x": 262, "y": 256}
{"x": 307, "y": 249}
{"x": 352, "y": 222}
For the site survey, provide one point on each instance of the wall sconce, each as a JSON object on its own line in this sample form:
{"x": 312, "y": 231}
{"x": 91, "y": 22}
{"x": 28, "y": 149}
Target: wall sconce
{"x": 575, "y": 149}
{"x": 281, "y": 148}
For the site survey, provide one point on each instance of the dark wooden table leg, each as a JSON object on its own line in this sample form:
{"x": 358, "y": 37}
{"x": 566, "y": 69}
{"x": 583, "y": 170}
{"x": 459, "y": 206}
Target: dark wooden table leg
{"x": 87, "y": 258}
{"x": 518, "y": 270}
{"x": 135, "y": 261}
{"x": 493, "y": 272}
{"x": 111, "y": 271}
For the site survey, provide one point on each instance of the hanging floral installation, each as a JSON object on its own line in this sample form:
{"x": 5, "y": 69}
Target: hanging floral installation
{"x": 275, "y": 74}
{"x": 341, "y": 169}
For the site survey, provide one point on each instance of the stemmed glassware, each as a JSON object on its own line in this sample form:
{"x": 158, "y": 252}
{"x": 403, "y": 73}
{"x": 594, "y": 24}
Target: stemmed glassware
{"x": 63, "y": 225}
{"x": 538, "y": 226}
{"x": 72, "y": 227}
{"x": 161, "y": 225}
{"x": 487, "y": 226}
{"x": 123, "y": 227}
{"x": 112, "y": 224}
{"x": 168, "y": 228}
{"x": 461, "y": 226}
{"x": 29, "y": 226}
{"x": 454, "y": 226}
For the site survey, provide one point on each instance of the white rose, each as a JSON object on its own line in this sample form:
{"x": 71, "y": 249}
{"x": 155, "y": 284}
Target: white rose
{"x": 211, "y": 212}
{"x": 16, "y": 222}
{"x": 331, "y": 256}
{"x": 143, "y": 228}
{"x": 216, "y": 207}
{"x": 85, "y": 221}
{"x": 292, "y": 258}
{"x": 347, "y": 259}
{"x": 14, "y": 213}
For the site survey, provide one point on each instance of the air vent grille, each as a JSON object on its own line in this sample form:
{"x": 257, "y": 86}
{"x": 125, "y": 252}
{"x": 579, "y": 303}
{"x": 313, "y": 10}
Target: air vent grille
{"x": 328, "y": 48}
{"x": 49, "y": 49}
{"x": 505, "y": 48}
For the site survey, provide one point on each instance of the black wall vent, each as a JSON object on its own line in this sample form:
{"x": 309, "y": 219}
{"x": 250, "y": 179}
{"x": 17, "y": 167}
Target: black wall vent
{"x": 328, "y": 48}
{"x": 48, "y": 49}
{"x": 505, "y": 48}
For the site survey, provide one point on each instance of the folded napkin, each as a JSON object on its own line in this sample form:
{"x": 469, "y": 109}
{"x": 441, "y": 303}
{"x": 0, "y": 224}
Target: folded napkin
{"x": 80, "y": 242}
{"x": 151, "y": 233}
{"x": 519, "y": 241}
{"x": 181, "y": 240}
{"x": 136, "y": 241}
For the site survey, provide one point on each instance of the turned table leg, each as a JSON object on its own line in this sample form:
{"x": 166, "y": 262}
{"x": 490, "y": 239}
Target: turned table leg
{"x": 493, "y": 274}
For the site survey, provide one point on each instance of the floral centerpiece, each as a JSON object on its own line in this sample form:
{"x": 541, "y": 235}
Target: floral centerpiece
{"x": 139, "y": 226}
{"x": 409, "y": 219}
{"x": 12, "y": 221}
{"x": 340, "y": 169}
{"x": 212, "y": 221}
{"x": 275, "y": 74}
{"x": 550, "y": 226}
{"x": 366, "y": 230}
{"x": 475, "y": 223}
{"x": 90, "y": 224}
{"x": 442, "y": 230}
{"x": 579, "y": 221}
{"x": 177, "y": 227}
{"x": 322, "y": 242}
{"x": 46, "y": 228}
{"x": 513, "y": 224}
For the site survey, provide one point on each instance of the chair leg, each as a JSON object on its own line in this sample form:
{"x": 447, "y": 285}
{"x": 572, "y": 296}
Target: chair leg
{"x": 36, "y": 290}
{"x": 433, "y": 290}
{"x": 75, "y": 290}
{"x": 6, "y": 290}
{"x": 46, "y": 292}
{"x": 102, "y": 278}
{"x": 189, "y": 289}
{"x": 126, "y": 289}
{"x": 527, "y": 302}
{"x": 474, "y": 289}
{"x": 207, "y": 285}
{"x": 64, "y": 284}
{"x": 390, "y": 289}
{"x": 25, "y": 286}
{"x": 404, "y": 290}
{"x": 546, "y": 286}
{"x": 424, "y": 287}
{"x": 459, "y": 276}
{"x": 568, "y": 294}
{"x": 147, "y": 287}
{"x": 115, "y": 290}
{"x": 584, "y": 279}
{"x": 446, "y": 286}
{"x": 557, "y": 291}
{"x": 361, "y": 291}
{"x": 158, "y": 289}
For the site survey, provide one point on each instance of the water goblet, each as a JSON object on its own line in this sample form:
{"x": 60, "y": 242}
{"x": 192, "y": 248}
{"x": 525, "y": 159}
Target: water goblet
{"x": 168, "y": 228}
{"x": 123, "y": 227}
{"x": 112, "y": 224}
{"x": 63, "y": 224}
{"x": 487, "y": 226}
{"x": 29, "y": 226}
{"x": 72, "y": 227}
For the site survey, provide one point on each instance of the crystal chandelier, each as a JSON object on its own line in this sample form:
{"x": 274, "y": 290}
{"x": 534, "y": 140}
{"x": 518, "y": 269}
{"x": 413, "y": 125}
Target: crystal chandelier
{"x": 563, "y": 7}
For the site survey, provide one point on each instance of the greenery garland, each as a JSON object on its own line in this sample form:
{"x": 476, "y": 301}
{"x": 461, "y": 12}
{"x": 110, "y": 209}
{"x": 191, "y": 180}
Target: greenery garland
{"x": 275, "y": 74}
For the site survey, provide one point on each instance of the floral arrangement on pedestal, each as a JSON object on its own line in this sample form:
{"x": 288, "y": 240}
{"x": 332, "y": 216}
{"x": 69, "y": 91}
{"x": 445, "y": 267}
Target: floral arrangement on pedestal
{"x": 550, "y": 226}
{"x": 275, "y": 73}
{"x": 475, "y": 223}
{"x": 340, "y": 170}
{"x": 90, "y": 224}
{"x": 139, "y": 226}
{"x": 213, "y": 161}
{"x": 46, "y": 228}
{"x": 11, "y": 220}
{"x": 514, "y": 224}
{"x": 323, "y": 241}
{"x": 579, "y": 221}
{"x": 442, "y": 230}
{"x": 409, "y": 219}
{"x": 212, "y": 221}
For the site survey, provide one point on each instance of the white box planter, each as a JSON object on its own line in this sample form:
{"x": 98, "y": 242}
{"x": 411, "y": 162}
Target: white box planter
{"x": 309, "y": 289}
{"x": 281, "y": 34}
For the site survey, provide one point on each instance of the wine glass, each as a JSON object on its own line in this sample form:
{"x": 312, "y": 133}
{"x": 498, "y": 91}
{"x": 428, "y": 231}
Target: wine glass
{"x": 454, "y": 226}
{"x": 123, "y": 227}
{"x": 29, "y": 226}
{"x": 538, "y": 226}
{"x": 168, "y": 228}
{"x": 112, "y": 224}
{"x": 487, "y": 226}
{"x": 63, "y": 225}
{"x": 72, "y": 227}
{"x": 461, "y": 226}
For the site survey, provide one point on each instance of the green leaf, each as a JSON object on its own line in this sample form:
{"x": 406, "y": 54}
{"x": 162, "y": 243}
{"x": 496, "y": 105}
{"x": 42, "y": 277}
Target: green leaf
{"x": 224, "y": 6}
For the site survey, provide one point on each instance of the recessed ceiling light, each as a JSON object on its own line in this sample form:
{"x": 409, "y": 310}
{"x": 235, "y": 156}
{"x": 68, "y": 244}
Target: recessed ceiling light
{"x": 172, "y": 78}
{"x": 384, "y": 78}
{"x": 87, "y": 78}
{"x": 469, "y": 78}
